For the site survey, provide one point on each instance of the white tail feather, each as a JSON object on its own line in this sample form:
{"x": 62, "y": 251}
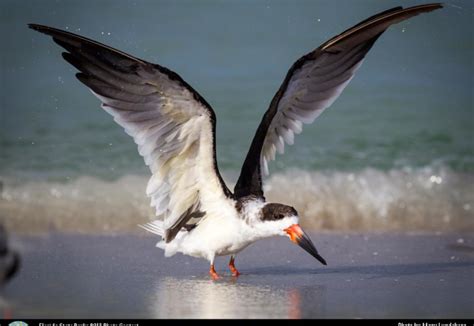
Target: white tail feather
{"x": 155, "y": 227}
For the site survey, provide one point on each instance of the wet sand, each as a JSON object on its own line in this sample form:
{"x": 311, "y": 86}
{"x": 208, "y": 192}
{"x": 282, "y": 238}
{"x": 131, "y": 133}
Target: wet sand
{"x": 125, "y": 276}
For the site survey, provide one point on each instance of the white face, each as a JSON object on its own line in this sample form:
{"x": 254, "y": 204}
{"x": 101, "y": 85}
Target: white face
{"x": 271, "y": 228}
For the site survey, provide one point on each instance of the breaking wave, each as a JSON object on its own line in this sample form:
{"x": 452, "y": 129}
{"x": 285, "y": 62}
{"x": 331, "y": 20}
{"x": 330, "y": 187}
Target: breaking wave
{"x": 369, "y": 200}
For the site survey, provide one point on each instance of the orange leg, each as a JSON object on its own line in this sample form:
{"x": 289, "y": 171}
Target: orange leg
{"x": 213, "y": 273}
{"x": 234, "y": 270}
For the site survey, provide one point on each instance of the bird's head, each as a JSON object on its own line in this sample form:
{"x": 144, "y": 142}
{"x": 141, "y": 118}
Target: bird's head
{"x": 278, "y": 219}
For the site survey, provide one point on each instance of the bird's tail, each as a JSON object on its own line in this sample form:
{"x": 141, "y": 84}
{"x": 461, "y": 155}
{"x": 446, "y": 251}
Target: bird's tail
{"x": 155, "y": 227}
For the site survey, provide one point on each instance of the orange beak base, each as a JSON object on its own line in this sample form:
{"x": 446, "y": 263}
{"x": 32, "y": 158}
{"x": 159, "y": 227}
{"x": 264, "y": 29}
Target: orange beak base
{"x": 298, "y": 236}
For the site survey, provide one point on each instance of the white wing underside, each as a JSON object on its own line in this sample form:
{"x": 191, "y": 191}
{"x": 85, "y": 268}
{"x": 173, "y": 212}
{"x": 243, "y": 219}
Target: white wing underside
{"x": 170, "y": 122}
{"x": 174, "y": 136}
{"x": 311, "y": 89}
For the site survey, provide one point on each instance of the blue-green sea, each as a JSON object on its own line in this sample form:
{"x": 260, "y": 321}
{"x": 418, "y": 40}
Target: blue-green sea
{"x": 395, "y": 151}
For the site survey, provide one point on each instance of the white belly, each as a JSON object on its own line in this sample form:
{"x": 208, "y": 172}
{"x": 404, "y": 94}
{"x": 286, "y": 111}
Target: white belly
{"x": 214, "y": 236}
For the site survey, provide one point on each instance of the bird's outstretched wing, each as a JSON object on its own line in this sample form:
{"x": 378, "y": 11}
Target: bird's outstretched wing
{"x": 173, "y": 126}
{"x": 311, "y": 85}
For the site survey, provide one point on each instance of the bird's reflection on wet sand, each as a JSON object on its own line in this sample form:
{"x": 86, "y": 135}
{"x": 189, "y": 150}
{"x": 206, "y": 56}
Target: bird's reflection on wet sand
{"x": 227, "y": 298}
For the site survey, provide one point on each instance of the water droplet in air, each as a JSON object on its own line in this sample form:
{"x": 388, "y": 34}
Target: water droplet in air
{"x": 436, "y": 179}
{"x": 55, "y": 192}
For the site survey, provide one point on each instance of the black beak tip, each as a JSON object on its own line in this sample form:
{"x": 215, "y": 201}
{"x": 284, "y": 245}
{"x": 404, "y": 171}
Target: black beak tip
{"x": 321, "y": 260}
{"x": 305, "y": 243}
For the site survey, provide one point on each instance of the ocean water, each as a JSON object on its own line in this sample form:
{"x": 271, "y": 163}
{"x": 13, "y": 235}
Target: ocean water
{"x": 394, "y": 152}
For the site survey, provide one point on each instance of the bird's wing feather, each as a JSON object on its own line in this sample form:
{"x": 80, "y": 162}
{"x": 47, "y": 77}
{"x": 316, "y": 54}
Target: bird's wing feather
{"x": 171, "y": 123}
{"x": 311, "y": 85}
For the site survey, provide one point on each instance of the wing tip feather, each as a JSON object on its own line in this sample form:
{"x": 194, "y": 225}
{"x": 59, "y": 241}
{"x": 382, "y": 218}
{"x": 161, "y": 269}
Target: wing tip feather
{"x": 396, "y": 15}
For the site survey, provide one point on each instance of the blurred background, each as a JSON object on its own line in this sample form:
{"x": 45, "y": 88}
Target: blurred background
{"x": 394, "y": 152}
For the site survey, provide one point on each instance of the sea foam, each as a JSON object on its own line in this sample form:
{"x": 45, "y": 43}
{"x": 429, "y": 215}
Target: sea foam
{"x": 368, "y": 200}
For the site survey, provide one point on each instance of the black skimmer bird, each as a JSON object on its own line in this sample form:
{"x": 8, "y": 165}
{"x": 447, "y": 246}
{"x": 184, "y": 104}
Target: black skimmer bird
{"x": 174, "y": 128}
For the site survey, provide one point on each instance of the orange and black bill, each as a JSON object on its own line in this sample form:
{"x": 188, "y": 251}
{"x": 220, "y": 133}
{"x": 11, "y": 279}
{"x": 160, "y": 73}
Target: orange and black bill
{"x": 298, "y": 236}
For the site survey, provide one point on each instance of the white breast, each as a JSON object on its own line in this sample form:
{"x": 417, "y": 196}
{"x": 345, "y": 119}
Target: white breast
{"x": 212, "y": 235}
{"x": 226, "y": 231}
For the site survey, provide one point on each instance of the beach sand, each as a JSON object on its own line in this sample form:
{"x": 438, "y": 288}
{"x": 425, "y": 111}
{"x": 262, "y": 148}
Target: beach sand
{"x": 125, "y": 276}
